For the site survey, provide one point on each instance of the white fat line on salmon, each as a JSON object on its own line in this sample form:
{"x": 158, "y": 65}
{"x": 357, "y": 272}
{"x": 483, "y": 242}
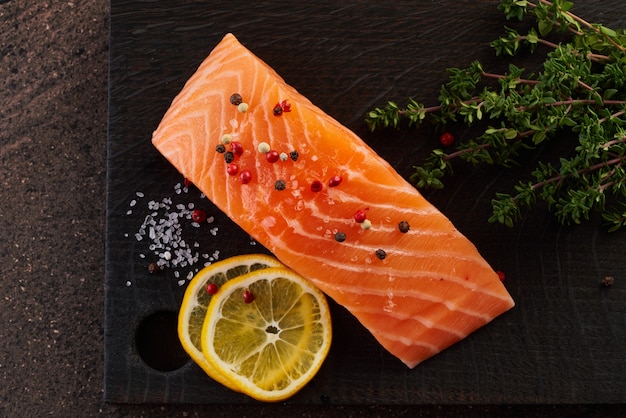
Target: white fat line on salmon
{"x": 261, "y": 124}
{"x": 417, "y": 318}
{"x": 209, "y": 165}
{"x": 303, "y": 143}
{"x": 378, "y": 333}
{"x": 326, "y": 152}
{"x": 247, "y": 87}
{"x": 362, "y": 250}
{"x": 206, "y": 179}
{"x": 203, "y": 165}
{"x": 223, "y": 125}
{"x": 370, "y": 249}
{"x": 452, "y": 307}
{"x": 217, "y": 62}
{"x": 409, "y": 275}
{"x": 378, "y": 221}
{"x": 288, "y": 121}
{"x": 373, "y": 208}
{"x": 344, "y": 197}
{"x": 276, "y": 242}
{"x": 193, "y": 89}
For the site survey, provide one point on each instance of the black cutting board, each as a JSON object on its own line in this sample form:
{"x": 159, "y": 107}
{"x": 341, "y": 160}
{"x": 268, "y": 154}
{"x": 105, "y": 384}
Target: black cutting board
{"x": 564, "y": 342}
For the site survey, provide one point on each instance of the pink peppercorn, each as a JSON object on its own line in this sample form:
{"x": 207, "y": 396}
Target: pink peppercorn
{"x": 236, "y": 148}
{"x": 248, "y": 296}
{"x": 272, "y": 156}
{"x": 360, "y": 216}
{"x": 211, "y": 288}
{"x": 245, "y": 176}
{"x": 316, "y": 186}
{"x": 232, "y": 169}
{"x": 446, "y": 139}
{"x": 334, "y": 181}
{"x": 198, "y": 216}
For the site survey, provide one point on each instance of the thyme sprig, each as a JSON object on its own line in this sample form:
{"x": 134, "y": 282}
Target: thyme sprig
{"x": 578, "y": 97}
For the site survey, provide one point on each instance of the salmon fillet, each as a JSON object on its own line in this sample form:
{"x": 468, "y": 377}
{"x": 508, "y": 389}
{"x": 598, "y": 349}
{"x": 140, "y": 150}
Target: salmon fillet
{"x": 325, "y": 204}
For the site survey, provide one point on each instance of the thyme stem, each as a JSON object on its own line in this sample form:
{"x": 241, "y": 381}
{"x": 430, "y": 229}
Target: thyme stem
{"x": 569, "y": 97}
{"x": 517, "y": 80}
{"x": 583, "y": 22}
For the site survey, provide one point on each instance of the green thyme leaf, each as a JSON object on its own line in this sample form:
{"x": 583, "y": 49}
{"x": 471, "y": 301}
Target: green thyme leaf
{"x": 578, "y": 99}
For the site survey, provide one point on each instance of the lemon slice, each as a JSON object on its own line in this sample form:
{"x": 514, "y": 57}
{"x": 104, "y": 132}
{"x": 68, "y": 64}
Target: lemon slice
{"x": 271, "y": 346}
{"x": 196, "y": 300}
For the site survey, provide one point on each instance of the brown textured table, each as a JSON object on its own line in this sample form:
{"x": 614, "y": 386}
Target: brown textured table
{"x": 53, "y": 133}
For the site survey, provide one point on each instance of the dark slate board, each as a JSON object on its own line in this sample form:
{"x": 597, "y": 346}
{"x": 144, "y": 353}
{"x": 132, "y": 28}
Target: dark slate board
{"x": 565, "y": 340}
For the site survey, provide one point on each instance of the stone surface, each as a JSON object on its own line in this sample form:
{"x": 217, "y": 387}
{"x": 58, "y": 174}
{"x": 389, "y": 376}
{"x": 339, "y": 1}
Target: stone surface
{"x": 53, "y": 129}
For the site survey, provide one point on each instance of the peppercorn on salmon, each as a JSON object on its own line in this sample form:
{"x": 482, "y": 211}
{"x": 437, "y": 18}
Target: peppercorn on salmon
{"x": 324, "y": 203}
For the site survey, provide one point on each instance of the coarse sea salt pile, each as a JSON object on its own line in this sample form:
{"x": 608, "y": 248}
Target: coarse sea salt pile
{"x": 163, "y": 230}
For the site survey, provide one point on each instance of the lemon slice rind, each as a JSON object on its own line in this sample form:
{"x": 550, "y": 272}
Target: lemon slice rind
{"x": 269, "y": 358}
{"x": 195, "y": 302}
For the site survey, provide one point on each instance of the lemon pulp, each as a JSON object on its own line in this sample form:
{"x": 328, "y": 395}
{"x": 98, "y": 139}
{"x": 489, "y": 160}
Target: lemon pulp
{"x": 269, "y": 348}
{"x": 196, "y": 300}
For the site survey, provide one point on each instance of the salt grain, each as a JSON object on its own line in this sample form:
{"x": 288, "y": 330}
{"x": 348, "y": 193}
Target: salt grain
{"x": 164, "y": 229}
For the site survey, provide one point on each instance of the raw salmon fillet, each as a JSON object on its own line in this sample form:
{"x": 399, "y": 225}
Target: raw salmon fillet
{"x": 414, "y": 281}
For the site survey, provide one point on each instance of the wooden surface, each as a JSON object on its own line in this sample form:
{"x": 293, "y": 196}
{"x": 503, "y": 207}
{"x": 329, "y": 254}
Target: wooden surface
{"x": 563, "y": 343}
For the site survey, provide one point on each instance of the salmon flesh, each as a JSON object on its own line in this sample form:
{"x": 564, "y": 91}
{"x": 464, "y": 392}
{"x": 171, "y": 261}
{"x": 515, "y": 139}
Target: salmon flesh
{"x": 326, "y": 205}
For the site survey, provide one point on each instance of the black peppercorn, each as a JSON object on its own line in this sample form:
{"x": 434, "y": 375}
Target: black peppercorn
{"x": 280, "y": 185}
{"x": 381, "y": 254}
{"x": 294, "y": 155}
{"x": 608, "y": 281}
{"x": 236, "y": 99}
{"x": 220, "y": 148}
{"x": 229, "y": 157}
{"x": 404, "y": 227}
{"x": 340, "y": 236}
